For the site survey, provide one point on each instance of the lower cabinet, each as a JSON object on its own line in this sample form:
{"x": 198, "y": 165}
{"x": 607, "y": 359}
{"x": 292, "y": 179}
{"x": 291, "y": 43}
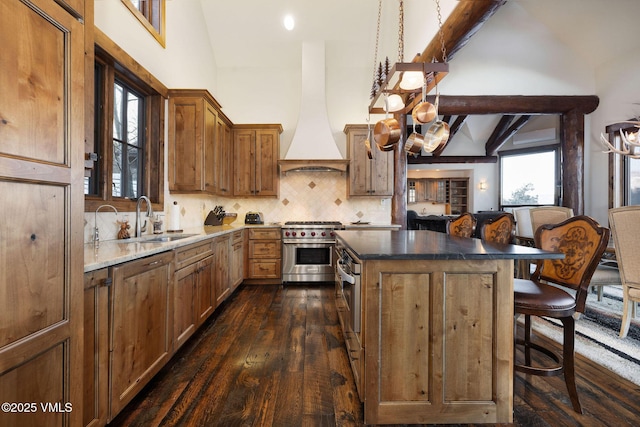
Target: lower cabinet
{"x": 264, "y": 256}
{"x": 140, "y": 333}
{"x": 193, "y": 292}
{"x": 237, "y": 259}
{"x": 221, "y": 247}
{"x": 95, "y": 402}
{"x": 139, "y": 313}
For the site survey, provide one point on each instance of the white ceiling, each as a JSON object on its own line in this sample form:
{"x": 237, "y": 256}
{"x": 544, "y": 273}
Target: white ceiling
{"x": 245, "y": 33}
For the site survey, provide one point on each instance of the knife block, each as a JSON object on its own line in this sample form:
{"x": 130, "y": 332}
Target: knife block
{"x": 212, "y": 219}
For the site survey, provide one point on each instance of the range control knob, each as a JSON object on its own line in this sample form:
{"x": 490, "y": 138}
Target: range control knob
{"x": 302, "y": 233}
{"x": 293, "y": 233}
{"x": 286, "y": 233}
{"x": 313, "y": 233}
{"x": 323, "y": 234}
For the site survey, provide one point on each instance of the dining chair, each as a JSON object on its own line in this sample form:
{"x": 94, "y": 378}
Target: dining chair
{"x": 583, "y": 241}
{"x": 462, "y": 226}
{"x": 500, "y": 229}
{"x": 548, "y": 215}
{"x": 624, "y": 223}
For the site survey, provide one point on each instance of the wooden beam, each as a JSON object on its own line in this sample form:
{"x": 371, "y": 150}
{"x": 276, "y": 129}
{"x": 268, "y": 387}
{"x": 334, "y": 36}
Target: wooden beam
{"x": 515, "y": 104}
{"x": 572, "y": 147}
{"x": 463, "y": 22}
{"x": 430, "y": 160}
{"x": 454, "y": 128}
{"x": 498, "y": 140}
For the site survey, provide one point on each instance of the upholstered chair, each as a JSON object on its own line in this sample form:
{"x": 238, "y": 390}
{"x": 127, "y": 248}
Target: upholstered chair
{"x": 583, "y": 241}
{"x": 625, "y": 226}
{"x": 548, "y": 215}
{"x": 462, "y": 226}
{"x": 501, "y": 229}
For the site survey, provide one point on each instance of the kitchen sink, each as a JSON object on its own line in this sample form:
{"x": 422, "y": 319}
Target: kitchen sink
{"x": 159, "y": 239}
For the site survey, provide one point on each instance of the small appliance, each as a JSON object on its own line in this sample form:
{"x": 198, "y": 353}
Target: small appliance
{"x": 254, "y": 218}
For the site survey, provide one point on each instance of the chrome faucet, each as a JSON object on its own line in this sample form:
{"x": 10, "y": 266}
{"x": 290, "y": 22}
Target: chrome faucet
{"x": 139, "y": 228}
{"x": 96, "y": 232}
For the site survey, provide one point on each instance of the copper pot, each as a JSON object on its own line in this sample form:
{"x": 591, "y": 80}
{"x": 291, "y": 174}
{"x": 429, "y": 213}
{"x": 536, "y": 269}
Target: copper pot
{"x": 414, "y": 143}
{"x": 387, "y": 132}
{"x": 436, "y": 136}
{"x": 423, "y": 113}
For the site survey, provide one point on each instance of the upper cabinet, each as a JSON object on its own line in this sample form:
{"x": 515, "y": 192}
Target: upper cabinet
{"x": 193, "y": 121}
{"x": 255, "y": 160}
{"x": 367, "y": 176}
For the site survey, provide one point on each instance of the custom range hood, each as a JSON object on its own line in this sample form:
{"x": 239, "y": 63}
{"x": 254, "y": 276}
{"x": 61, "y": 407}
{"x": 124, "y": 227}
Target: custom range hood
{"x": 313, "y": 147}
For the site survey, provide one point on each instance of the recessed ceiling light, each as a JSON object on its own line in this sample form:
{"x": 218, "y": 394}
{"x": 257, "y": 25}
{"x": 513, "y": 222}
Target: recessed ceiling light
{"x": 289, "y": 23}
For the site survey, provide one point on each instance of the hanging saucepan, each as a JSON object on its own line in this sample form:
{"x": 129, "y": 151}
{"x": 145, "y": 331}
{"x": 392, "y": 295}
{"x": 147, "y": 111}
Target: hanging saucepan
{"x": 367, "y": 142}
{"x": 414, "y": 142}
{"x": 424, "y": 112}
{"x": 438, "y": 133}
{"x": 387, "y": 132}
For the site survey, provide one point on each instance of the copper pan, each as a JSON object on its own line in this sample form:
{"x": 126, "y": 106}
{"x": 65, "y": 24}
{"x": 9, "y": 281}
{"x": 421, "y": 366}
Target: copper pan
{"x": 387, "y": 132}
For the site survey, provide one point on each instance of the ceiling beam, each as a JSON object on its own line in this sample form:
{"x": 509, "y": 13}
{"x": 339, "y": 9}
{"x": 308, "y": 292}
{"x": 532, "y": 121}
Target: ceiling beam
{"x": 463, "y": 22}
{"x": 500, "y": 134}
{"x": 515, "y": 104}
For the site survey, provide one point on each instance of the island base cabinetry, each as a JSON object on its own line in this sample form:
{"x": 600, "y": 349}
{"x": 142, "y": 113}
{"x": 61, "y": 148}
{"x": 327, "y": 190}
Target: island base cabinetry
{"x": 438, "y": 341}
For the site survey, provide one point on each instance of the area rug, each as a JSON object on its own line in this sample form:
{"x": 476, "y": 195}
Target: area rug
{"x": 597, "y": 334}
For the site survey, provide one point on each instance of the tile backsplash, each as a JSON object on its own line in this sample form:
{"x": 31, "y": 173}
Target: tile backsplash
{"x": 304, "y": 196}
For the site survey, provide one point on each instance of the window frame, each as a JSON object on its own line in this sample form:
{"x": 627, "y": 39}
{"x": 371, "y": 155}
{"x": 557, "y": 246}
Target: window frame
{"x": 533, "y": 150}
{"x": 619, "y": 165}
{"x": 116, "y": 62}
{"x": 155, "y": 25}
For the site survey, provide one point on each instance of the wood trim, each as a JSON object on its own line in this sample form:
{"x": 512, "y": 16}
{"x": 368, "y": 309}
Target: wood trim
{"x": 131, "y": 67}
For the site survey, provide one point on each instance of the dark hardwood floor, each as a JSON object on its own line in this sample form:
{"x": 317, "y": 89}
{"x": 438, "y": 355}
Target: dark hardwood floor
{"x": 275, "y": 356}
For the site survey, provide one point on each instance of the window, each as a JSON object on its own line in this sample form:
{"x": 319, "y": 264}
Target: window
{"x": 128, "y": 142}
{"x": 530, "y": 177}
{"x": 151, "y": 14}
{"x": 128, "y": 135}
{"x": 625, "y": 185}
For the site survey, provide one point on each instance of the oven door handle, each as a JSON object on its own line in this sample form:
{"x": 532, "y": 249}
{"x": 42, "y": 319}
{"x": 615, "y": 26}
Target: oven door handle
{"x": 345, "y": 276}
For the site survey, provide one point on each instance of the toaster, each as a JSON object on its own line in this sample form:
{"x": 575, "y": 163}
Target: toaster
{"x": 253, "y": 218}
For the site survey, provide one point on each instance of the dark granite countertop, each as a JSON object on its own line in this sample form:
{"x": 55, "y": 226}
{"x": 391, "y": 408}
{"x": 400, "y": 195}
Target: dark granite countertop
{"x": 425, "y": 244}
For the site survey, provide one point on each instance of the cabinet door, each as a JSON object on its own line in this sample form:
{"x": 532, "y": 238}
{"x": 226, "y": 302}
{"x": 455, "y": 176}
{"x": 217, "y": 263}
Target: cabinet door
{"x": 141, "y": 332}
{"x": 96, "y": 348}
{"x": 184, "y": 296}
{"x": 186, "y": 136}
{"x": 266, "y": 159}
{"x": 224, "y": 158}
{"x": 244, "y": 163}
{"x": 368, "y": 177}
{"x": 221, "y": 278}
{"x": 211, "y": 150}
{"x": 206, "y": 293}
{"x": 237, "y": 259}
{"x": 41, "y": 182}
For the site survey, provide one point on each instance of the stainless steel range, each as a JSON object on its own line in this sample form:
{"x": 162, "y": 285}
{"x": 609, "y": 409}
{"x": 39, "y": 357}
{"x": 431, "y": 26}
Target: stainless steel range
{"x": 307, "y": 251}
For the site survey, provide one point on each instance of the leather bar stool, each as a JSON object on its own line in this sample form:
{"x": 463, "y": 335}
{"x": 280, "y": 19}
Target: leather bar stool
{"x": 501, "y": 229}
{"x": 583, "y": 242}
{"x": 462, "y": 226}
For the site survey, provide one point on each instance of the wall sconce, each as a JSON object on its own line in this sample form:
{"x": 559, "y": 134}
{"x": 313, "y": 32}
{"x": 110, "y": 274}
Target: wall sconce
{"x": 483, "y": 185}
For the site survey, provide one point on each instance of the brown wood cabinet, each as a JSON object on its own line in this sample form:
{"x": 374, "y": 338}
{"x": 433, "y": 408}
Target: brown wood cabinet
{"x": 367, "y": 177}
{"x": 193, "y": 294}
{"x": 141, "y": 325}
{"x": 264, "y": 255}
{"x": 437, "y": 341}
{"x": 255, "y": 166}
{"x": 237, "y": 259}
{"x": 41, "y": 193}
{"x": 193, "y": 122}
{"x": 97, "y": 285}
{"x": 224, "y": 157}
{"x": 221, "y": 282}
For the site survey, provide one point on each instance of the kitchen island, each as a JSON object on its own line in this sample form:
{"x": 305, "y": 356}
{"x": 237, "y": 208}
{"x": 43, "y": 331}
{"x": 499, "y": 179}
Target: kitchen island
{"x": 435, "y": 339}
